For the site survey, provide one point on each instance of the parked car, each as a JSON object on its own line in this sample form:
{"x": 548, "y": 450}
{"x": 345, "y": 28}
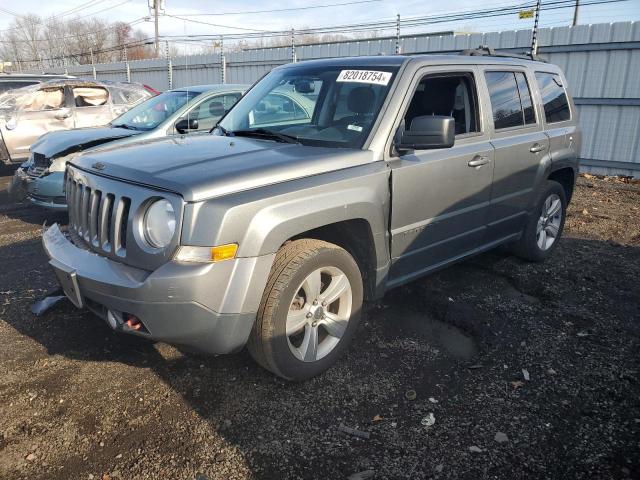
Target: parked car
{"x": 272, "y": 234}
{"x": 10, "y": 81}
{"x": 179, "y": 111}
{"x": 29, "y": 112}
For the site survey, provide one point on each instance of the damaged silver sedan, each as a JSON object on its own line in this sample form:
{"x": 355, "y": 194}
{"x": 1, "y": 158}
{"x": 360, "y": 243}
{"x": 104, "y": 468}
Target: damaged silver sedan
{"x": 29, "y": 112}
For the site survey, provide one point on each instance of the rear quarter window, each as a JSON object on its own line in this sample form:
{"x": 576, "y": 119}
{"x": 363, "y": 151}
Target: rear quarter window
{"x": 554, "y": 97}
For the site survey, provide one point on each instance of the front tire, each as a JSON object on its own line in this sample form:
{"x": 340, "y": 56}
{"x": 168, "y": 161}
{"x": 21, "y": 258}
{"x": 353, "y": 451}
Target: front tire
{"x": 544, "y": 228}
{"x": 309, "y": 311}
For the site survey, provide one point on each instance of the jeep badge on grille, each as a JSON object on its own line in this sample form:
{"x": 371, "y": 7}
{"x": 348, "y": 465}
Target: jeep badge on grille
{"x": 98, "y": 166}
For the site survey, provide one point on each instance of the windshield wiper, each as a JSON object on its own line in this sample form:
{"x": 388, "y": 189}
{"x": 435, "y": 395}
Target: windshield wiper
{"x": 266, "y": 133}
{"x": 124, "y": 125}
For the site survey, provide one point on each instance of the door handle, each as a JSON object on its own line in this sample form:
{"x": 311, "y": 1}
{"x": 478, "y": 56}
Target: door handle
{"x": 478, "y": 161}
{"x": 536, "y": 148}
{"x": 62, "y": 116}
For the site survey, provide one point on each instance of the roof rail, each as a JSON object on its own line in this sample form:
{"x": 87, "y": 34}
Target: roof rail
{"x": 486, "y": 51}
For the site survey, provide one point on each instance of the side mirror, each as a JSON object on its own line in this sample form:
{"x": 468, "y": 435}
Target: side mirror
{"x": 63, "y": 113}
{"x": 428, "y": 132}
{"x": 304, "y": 86}
{"x": 186, "y": 124}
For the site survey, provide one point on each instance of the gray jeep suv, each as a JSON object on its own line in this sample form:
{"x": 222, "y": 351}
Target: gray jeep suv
{"x": 273, "y": 230}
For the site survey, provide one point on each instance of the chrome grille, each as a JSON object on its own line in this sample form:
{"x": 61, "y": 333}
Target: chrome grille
{"x": 98, "y": 218}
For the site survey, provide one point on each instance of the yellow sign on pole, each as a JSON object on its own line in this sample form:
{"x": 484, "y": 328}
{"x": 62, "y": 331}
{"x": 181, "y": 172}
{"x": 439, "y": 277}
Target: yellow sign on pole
{"x": 525, "y": 14}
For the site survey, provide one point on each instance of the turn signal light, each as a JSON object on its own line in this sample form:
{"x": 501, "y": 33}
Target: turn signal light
{"x": 224, "y": 252}
{"x": 220, "y": 253}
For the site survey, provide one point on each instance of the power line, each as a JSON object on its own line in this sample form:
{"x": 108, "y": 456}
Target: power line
{"x": 77, "y": 35}
{"x": 412, "y": 22}
{"x": 215, "y": 24}
{"x": 291, "y": 9}
{"x": 42, "y": 21}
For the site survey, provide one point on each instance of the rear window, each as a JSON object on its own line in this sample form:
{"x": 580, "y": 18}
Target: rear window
{"x": 10, "y": 85}
{"x": 554, "y": 97}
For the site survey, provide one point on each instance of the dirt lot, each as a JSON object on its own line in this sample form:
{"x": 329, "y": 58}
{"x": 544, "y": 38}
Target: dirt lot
{"x": 79, "y": 402}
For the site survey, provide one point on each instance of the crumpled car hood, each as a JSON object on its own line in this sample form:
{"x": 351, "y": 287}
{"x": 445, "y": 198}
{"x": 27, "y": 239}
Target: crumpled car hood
{"x": 205, "y": 166}
{"x": 63, "y": 142}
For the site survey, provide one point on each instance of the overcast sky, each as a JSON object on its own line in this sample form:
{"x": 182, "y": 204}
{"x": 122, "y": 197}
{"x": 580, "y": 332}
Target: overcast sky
{"x": 362, "y": 12}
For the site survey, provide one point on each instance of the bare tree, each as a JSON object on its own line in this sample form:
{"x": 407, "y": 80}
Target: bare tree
{"x": 34, "y": 42}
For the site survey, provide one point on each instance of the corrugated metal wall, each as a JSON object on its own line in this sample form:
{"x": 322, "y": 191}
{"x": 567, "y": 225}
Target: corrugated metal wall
{"x": 601, "y": 62}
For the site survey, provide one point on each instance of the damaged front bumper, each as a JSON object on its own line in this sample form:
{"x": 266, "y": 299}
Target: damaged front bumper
{"x": 47, "y": 191}
{"x": 179, "y": 303}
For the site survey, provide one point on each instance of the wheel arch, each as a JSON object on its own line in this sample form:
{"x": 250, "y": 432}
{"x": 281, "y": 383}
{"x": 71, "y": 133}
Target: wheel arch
{"x": 356, "y": 237}
{"x": 565, "y": 176}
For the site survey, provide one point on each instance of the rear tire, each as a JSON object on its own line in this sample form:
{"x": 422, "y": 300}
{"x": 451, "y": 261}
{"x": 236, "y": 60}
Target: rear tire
{"x": 309, "y": 311}
{"x": 545, "y": 225}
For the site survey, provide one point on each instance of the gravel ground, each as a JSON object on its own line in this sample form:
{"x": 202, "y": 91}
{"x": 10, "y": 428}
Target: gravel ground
{"x": 493, "y": 368}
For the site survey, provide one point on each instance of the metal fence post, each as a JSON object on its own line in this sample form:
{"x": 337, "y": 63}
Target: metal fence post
{"x": 93, "y": 65}
{"x": 126, "y": 64}
{"x": 294, "y": 58}
{"x": 169, "y": 65}
{"x": 398, "y": 34}
{"x": 223, "y": 62}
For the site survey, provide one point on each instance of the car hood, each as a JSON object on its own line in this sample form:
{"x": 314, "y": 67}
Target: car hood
{"x": 63, "y": 142}
{"x": 205, "y": 166}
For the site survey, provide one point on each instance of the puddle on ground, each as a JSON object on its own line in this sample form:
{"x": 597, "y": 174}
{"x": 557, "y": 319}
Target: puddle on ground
{"x": 424, "y": 325}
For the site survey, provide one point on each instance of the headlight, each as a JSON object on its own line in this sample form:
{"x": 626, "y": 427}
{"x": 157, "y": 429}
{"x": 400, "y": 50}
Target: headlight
{"x": 159, "y": 224}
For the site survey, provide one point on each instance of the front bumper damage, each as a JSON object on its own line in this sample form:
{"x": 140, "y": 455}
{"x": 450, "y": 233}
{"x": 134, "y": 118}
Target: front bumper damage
{"x": 47, "y": 191}
{"x": 206, "y": 307}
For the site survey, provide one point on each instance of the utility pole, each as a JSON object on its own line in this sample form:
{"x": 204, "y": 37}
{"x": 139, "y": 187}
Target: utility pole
{"x": 575, "y": 13}
{"x": 534, "y": 38}
{"x": 156, "y": 12}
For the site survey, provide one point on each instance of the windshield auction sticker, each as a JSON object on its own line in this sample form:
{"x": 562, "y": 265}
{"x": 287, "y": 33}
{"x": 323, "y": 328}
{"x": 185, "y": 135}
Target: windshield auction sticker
{"x": 364, "y": 76}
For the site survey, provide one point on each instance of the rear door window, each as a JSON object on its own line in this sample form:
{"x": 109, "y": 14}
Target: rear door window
{"x": 90, "y": 96}
{"x": 505, "y": 99}
{"x": 554, "y": 97}
{"x": 511, "y": 102}
{"x": 525, "y": 98}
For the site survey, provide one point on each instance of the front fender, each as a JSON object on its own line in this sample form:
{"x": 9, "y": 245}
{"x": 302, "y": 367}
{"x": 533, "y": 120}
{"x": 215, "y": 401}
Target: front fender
{"x": 261, "y": 220}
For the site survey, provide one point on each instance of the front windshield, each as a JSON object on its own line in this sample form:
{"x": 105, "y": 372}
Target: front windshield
{"x": 151, "y": 113}
{"x": 321, "y": 106}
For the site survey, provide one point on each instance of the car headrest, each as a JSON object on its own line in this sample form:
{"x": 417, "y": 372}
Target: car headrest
{"x": 439, "y": 96}
{"x": 216, "y": 109}
{"x": 360, "y": 100}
